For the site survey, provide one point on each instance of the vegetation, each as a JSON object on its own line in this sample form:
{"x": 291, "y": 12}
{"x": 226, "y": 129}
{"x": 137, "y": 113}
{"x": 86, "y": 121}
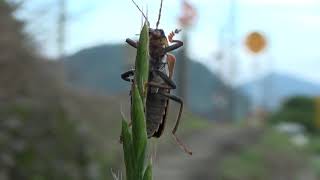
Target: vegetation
{"x": 299, "y": 110}
{"x": 273, "y": 157}
{"x": 135, "y": 141}
{"x": 42, "y": 135}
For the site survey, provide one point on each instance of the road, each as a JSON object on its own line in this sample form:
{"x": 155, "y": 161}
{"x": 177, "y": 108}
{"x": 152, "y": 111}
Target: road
{"x": 209, "y": 147}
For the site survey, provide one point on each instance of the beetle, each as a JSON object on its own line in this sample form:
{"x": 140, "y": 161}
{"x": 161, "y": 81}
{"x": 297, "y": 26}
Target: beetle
{"x": 160, "y": 81}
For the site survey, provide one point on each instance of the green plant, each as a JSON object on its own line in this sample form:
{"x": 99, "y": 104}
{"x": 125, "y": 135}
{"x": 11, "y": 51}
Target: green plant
{"x": 297, "y": 109}
{"x": 135, "y": 139}
{"x": 271, "y": 157}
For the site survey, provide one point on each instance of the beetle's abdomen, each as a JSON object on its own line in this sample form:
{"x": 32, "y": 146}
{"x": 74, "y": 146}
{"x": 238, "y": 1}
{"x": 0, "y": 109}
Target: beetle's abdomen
{"x": 156, "y": 112}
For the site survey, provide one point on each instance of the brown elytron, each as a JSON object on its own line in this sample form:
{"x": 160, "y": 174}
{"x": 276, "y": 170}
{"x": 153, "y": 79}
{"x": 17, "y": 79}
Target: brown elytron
{"x": 160, "y": 82}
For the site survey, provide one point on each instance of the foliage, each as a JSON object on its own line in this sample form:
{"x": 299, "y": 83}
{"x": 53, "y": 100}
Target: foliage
{"x": 297, "y": 109}
{"x": 38, "y": 137}
{"x": 41, "y": 142}
{"x": 135, "y": 141}
{"x": 273, "y": 157}
{"x": 314, "y": 144}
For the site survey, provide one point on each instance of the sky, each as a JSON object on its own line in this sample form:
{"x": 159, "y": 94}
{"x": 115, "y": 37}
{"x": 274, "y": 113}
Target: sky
{"x": 291, "y": 28}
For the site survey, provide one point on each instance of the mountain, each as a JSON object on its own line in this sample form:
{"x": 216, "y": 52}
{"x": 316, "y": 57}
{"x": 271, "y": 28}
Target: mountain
{"x": 99, "y": 68}
{"x": 272, "y": 89}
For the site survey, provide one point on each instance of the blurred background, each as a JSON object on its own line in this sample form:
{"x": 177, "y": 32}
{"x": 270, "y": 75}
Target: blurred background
{"x": 248, "y": 74}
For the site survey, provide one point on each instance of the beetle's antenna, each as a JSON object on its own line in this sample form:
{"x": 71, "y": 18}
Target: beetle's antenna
{"x": 159, "y": 17}
{"x": 140, "y": 11}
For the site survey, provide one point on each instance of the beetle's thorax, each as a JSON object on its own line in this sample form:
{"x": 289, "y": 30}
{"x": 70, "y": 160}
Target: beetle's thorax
{"x": 161, "y": 65}
{"x": 156, "y": 49}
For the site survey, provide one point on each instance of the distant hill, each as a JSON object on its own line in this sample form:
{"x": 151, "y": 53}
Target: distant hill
{"x": 99, "y": 68}
{"x": 277, "y": 87}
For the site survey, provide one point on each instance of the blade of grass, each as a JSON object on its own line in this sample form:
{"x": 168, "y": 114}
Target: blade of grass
{"x": 135, "y": 143}
{"x": 139, "y": 134}
{"x": 142, "y": 61}
{"x": 148, "y": 173}
{"x": 127, "y": 149}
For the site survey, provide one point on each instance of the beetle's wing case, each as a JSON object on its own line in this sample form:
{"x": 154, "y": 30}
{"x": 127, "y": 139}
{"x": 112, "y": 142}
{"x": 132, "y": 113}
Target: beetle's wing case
{"x": 157, "y": 105}
{"x": 171, "y": 61}
{"x": 164, "y": 68}
{"x": 156, "y": 111}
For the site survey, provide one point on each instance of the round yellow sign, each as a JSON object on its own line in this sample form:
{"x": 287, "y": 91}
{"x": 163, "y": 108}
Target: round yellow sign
{"x": 256, "y": 42}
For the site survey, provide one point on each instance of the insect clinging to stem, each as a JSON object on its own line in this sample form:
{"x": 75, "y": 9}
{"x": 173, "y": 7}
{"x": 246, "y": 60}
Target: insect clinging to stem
{"x": 160, "y": 81}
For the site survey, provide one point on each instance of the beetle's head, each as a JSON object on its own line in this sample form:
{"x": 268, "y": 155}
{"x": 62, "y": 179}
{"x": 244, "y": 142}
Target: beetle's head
{"x": 158, "y": 41}
{"x": 156, "y": 33}
{"x": 157, "y": 36}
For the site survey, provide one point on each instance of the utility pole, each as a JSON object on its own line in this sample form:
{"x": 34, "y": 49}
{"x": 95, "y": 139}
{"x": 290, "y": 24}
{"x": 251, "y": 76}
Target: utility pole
{"x": 182, "y": 75}
{"x": 232, "y": 61}
{"x": 61, "y": 29}
{"x": 61, "y": 37}
{"x": 186, "y": 20}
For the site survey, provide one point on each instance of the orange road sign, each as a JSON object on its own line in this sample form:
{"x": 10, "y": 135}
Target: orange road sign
{"x": 256, "y": 42}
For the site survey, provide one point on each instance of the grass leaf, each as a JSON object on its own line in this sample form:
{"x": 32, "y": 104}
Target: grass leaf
{"x": 139, "y": 133}
{"x": 142, "y": 60}
{"x": 127, "y": 149}
{"x": 148, "y": 173}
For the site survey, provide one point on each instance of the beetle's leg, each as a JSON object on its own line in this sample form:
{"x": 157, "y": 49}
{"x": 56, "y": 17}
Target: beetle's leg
{"x": 166, "y": 79}
{"x": 132, "y": 43}
{"x": 126, "y": 76}
{"x": 175, "y": 46}
{"x": 158, "y": 85}
{"x": 174, "y": 130}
